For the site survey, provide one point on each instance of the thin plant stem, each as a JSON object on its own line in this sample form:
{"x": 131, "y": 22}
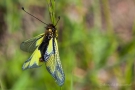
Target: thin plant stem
{"x": 51, "y": 7}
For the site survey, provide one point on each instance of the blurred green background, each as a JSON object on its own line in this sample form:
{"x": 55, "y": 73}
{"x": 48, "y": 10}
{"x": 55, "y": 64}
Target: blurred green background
{"x": 96, "y": 44}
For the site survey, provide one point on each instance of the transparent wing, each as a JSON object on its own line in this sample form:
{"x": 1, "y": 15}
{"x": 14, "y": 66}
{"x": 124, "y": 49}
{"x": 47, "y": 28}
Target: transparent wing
{"x": 31, "y": 44}
{"x": 53, "y": 63}
{"x": 34, "y": 60}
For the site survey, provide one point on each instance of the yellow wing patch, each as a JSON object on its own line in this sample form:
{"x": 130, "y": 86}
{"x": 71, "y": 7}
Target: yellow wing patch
{"x": 33, "y": 61}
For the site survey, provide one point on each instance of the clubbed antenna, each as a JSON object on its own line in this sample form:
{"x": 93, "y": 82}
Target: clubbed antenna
{"x": 33, "y": 16}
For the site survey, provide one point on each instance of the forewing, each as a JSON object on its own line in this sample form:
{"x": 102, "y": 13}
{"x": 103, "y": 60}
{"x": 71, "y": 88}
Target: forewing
{"x": 31, "y": 44}
{"x": 53, "y": 63}
{"x": 34, "y": 60}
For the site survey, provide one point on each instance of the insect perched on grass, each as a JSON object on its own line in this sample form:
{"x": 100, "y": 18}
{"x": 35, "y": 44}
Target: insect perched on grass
{"x": 45, "y": 50}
